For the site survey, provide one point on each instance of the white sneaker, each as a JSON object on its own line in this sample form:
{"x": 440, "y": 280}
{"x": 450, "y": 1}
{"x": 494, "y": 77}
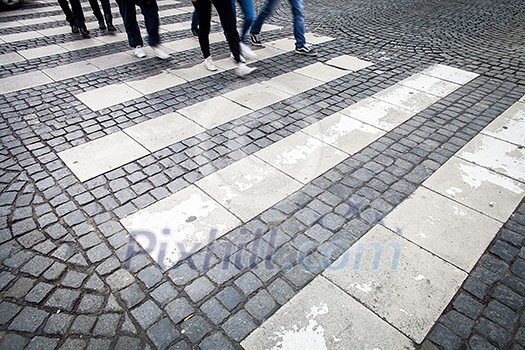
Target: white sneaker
{"x": 247, "y": 51}
{"x": 208, "y": 63}
{"x": 163, "y": 55}
{"x": 243, "y": 69}
{"x": 139, "y": 52}
{"x": 233, "y": 58}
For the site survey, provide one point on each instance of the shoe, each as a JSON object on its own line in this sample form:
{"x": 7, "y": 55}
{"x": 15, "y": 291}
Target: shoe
{"x": 139, "y": 52}
{"x": 233, "y": 58}
{"x": 84, "y": 31}
{"x": 195, "y": 31}
{"x": 74, "y": 28}
{"x": 111, "y": 28}
{"x": 109, "y": 21}
{"x": 243, "y": 69}
{"x": 163, "y": 55}
{"x": 101, "y": 24}
{"x": 247, "y": 51}
{"x": 306, "y": 50}
{"x": 255, "y": 39}
{"x": 208, "y": 63}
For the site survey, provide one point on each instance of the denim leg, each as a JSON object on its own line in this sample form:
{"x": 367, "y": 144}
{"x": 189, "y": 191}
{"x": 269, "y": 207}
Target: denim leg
{"x": 203, "y": 11}
{"x": 225, "y": 10}
{"x": 96, "y": 10}
{"x": 248, "y": 11}
{"x": 78, "y": 13}
{"x": 150, "y": 11}
{"x": 194, "y": 20}
{"x": 298, "y": 22}
{"x": 106, "y": 7}
{"x": 67, "y": 11}
{"x": 129, "y": 17}
{"x": 268, "y": 8}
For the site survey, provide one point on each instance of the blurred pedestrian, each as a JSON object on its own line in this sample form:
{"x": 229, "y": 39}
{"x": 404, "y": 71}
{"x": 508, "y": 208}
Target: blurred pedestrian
{"x": 75, "y": 16}
{"x": 226, "y": 14}
{"x": 108, "y": 16}
{"x": 150, "y": 11}
{"x": 301, "y": 47}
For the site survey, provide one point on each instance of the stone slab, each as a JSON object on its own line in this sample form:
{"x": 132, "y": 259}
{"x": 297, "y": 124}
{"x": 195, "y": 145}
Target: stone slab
{"x": 257, "y": 96}
{"x": 430, "y": 85}
{"x": 214, "y": 112}
{"x": 11, "y": 38}
{"x": 111, "y": 61}
{"x": 502, "y": 157}
{"x": 23, "y": 81}
{"x": 43, "y": 51}
{"x": 163, "y": 131}
{"x": 509, "y": 126}
{"x": 452, "y": 74}
{"x": 293, "y": 83}
{"x": 350, "y": 63}
{"x": 377, "y": 113}
{"x": 179, "y": 225}
{"x": 405, "y": 285}
{"x": 156, "y": 83}
{"x": 71, "y": 70}
{"x": 248, "y": 187}
{"x": 444, "y": 227}
{"x": 322, "y": 72}
{"x": 407, "y": 98}
{"x": 11, "y": 57}
{"x": 302, "y": 156}
{"x": 479, "y": 188}
{"x": 347, "y": 134}
{"x": 102, "y": 155}
{"x": 322, "y": 317}
{"x": 108, "y": 96}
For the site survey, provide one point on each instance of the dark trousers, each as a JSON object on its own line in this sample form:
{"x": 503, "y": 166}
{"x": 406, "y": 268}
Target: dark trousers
{"x": 225, "y": 10}
{"x": 106, "y": 7}
{"x": 73, "y": 17}
{"x": 150, "y": 11}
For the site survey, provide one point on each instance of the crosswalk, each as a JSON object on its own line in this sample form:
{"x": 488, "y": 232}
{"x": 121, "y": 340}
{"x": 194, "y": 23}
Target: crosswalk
{"x": 389, "y": 288}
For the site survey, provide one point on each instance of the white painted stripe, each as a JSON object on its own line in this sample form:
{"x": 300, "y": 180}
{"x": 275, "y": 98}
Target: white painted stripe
{"x": 65, "y": 29}
{"x": 98, "y": 99}
{"x": 271, "y": 174}
{"x": 454, "y": 215}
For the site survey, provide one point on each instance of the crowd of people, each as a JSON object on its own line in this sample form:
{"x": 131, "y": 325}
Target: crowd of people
{"x": 239, "y": 43}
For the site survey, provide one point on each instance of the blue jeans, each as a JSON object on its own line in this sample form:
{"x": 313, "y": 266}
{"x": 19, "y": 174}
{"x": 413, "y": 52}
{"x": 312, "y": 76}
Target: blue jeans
{"x": 249, "y": 15}
{"x": 150, "y": 11}
{"x": 298, "y": 19}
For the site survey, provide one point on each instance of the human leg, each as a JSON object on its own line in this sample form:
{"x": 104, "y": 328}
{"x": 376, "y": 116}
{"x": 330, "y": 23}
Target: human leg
{"x": 298, "y": 22}
{"x": 97, "y": 13}
{"x": 150, "y": 11}
{"x": 266, "y": 11}
{"x": 129, "y": 17}
{"x": 203, "y": 10}
{"x": 225, "y": 11}
{"x": 248, "y": 11}
{"x": 108, "y": 15}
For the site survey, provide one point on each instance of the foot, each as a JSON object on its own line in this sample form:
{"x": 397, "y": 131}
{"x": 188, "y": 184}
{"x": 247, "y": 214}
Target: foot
{"x": 243, "y": 69}
{"x": 247, "y": 51}
{"x": 111, "y": 28}
{"x": 163, "y": 55}
{"x": 84, "y": 31}
{"x": 139, "y": 52}
{"x": 74, "y": 28}
{"x": 255, "y": 39}
{"x": 233, "y": 58}
{"x": 306, "y": 50}
{"x": 209, "y": 64}
{"x": 101, "y": 24}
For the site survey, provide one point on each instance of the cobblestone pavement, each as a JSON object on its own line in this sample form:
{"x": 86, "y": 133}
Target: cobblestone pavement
{"x": 76, "y": 273}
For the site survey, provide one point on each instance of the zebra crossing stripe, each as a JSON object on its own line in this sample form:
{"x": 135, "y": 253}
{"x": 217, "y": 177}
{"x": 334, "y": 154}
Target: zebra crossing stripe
{"x": 414, "y": 261}
{"x": 268, "y": 176}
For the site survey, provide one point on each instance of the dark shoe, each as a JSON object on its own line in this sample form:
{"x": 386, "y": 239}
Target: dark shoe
{"x": 306, "y": 50}
{"x": 109, "y": 21}
{"x": 101, "y": 24}
{"x": 195, "y": 31}
{"x": 74, "y": 28}
{"x": 84, "y": 31}
{"x": 255, "y": 39}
